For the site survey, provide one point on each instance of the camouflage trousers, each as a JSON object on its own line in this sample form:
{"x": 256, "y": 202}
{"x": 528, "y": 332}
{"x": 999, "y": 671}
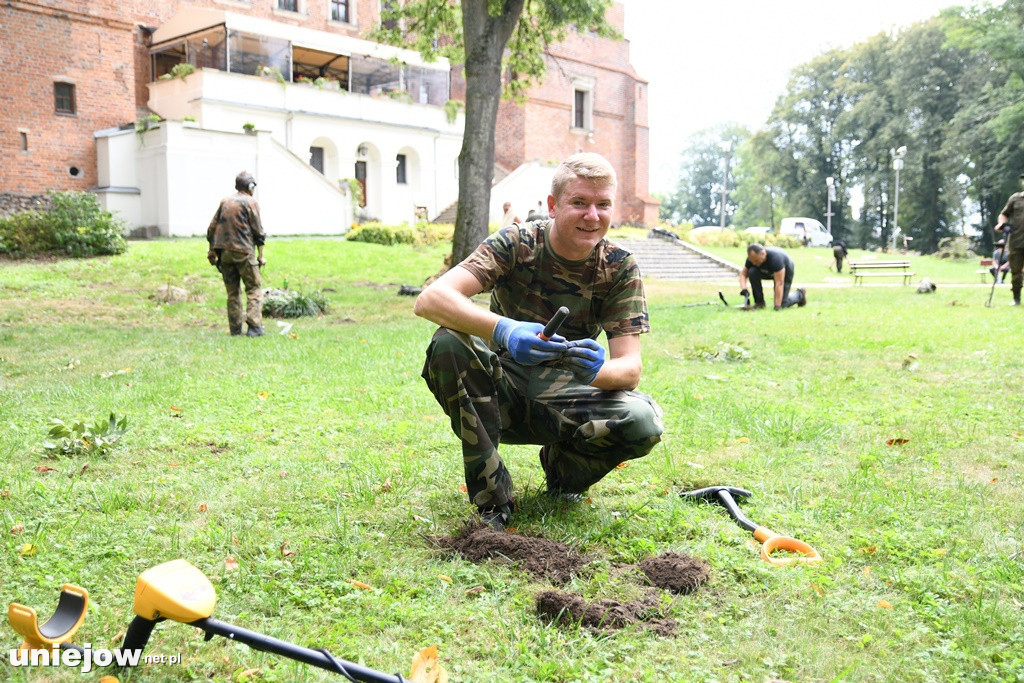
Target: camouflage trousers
{"x": 239, "y": 267}
{"x": 1016, "y": 260}
{"x": 491, "y": 399}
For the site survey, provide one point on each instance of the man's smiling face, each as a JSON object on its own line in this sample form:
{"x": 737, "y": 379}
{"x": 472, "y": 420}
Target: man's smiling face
{"x": 582, "y": 216}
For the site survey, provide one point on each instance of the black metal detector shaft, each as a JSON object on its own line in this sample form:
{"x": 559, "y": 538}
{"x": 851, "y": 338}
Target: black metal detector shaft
{"x": 999, "y": 261}
{"x": 141, "y": 628}
{"x": 556, "y": 321}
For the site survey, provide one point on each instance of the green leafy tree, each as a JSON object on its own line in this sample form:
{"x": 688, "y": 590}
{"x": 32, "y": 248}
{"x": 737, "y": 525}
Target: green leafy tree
{"x": 704, "y": 164}
{"x": 490, "y": 38}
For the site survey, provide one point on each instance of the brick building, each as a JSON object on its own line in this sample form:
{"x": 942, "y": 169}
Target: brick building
{"x": 88, "y": 72}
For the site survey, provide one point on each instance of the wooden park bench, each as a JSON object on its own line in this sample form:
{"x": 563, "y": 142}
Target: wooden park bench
{"x": 863, "y": 269}
{"x": 984, "y": 271}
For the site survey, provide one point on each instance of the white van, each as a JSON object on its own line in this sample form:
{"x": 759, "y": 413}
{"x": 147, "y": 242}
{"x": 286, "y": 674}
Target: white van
{"x": 808, "y": 230}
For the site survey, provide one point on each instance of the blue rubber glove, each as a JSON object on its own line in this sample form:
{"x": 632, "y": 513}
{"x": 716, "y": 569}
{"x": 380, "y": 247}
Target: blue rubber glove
{"x": 585, "y": 358}
{"x": 524, "y": 345}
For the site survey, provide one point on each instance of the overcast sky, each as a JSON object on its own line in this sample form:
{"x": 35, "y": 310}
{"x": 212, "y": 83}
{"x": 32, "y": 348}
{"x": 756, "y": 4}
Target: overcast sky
{"x": 713, "y": 61}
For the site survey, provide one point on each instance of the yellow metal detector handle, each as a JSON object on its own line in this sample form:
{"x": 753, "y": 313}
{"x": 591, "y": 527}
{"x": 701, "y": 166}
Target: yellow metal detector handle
{"x": 772, "y": 541}
{"x": 60, "y": 628}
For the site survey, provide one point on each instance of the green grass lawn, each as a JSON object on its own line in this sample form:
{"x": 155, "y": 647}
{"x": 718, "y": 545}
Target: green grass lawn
{"x": 882, "y": 426}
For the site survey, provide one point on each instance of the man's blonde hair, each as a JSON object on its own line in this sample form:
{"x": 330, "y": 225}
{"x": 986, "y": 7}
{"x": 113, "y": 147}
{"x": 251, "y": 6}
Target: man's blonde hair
{"x": 587, "y": 165}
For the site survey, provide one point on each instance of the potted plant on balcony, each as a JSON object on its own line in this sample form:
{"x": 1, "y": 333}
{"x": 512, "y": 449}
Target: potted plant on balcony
{"x": 249, "y": 128}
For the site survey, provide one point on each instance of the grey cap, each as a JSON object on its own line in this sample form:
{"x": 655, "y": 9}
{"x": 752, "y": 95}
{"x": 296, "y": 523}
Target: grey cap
{"x": 244, "y": 180}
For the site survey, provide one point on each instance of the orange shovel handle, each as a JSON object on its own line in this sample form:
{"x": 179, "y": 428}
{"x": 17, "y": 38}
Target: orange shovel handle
{"x": 772, "y": 541}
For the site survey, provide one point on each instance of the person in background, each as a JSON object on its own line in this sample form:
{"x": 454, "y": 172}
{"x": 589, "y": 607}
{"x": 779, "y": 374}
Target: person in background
{"x": 1000, "y": 262}
{"x": 236, "y": 238}
{"x": 770, "y": 263}
{"x": 538, "y": 214}
{"x": 839, "y": 253}
{"x": 510, "y": 216}
{"x": 500, "y": 382}
{"x": 1011, "y": 224}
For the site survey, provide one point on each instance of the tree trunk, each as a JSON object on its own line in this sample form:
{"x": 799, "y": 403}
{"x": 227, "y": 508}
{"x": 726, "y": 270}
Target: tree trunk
{"x": 485, "y": 40}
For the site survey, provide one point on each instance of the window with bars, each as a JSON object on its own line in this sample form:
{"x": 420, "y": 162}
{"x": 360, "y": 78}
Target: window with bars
{"x": 339, "y": 10}
{"x": 64, "y": 98}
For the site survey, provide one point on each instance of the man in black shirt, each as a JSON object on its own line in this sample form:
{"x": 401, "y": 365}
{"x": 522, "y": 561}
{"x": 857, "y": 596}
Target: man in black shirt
{"x": 839, "y": 253}
{"x": 770, "y": 263}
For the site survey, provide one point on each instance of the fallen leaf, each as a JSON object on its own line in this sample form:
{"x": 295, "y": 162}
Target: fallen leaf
{"x": 286, "y": 553}
{"x": 897, "y": 441}
{"x": 177, "y": 410}
{"x": 283, "y": 474}
{"x": 939, "y": 551}
{"x": 360, "y": 584}
{"x": 869, "y": 549}
{"x": 867, "y": 571}
{"x": 817, "y": 589}
{"x": 203, "y": 507}
{"x": 421, "y": 519}
{"x": 743, "y": 439}
{"x": 426, "y": 668}
{"x": 463, "y": 488}
{"x": 28, "y": 549}
{"x": 293, "y": 335}
{"x": 83, "y": 469}
{"x": 396, "y": 470}
{"x": 248, "y": 673}
{"x": 117, "y": 639}
{"x": 445, "y": 578}
{"x": 994, "y": 480}
{"x": 18, "y": 529}
{"x": 884, "y": 604}
{"x": 640, "y": 518}
{"x": 230, "y": 564}
{"x": 42, "y": 469}
{"x": 385, "y": 487}
{"x": 109, "y": 679}
{"x": 698, "y": 397}
{"x": 475, "y": 590}
{"x": 5, "y": 493}
{"x": 622, "y": 466}
{"x": 511, "y": 529}
{"x": 262, "y": 395}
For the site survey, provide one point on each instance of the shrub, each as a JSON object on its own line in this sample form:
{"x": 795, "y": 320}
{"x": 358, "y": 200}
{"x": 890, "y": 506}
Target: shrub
{"x": 293, "y": 304}
{"x": 956, "y": 248}
{"x": 75, "y": 225}
{"x": 434, "y": 233}
{"x": 378, "y": 233}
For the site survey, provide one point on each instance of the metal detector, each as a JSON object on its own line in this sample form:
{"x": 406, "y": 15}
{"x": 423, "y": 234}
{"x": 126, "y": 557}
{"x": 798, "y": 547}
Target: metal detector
{"x": 746, "y": 301}
{"x": 1002, "y": 252}
{"x": 177, "y": 591}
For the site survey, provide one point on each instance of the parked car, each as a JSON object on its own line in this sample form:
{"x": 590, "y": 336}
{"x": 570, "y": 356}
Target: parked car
{"x": 808, "y": 230}
{"x": 758, "y": 230}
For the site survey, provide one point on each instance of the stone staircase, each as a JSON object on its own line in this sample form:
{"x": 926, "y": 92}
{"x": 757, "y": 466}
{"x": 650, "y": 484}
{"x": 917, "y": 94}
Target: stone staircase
{"x": 668, "y": 258}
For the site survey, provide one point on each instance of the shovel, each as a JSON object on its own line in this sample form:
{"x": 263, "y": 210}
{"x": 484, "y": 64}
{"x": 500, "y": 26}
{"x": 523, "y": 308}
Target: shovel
{"x": 724, "y": 496}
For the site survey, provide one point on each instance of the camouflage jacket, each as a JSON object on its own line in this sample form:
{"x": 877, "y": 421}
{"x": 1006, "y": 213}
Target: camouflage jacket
{"x": 529, "y": 282}
{"x": 236, "y": 226}
{"x": 1014, "y": 210}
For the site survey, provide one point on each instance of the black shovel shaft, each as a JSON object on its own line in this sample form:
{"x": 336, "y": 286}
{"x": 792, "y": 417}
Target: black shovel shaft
{"x": 723, "y": 495}
{"x": 317, "y": 658}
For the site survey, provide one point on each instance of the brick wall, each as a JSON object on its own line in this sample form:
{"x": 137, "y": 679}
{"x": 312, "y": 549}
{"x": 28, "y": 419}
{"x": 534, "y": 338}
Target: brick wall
{"x": 87, "y": 44}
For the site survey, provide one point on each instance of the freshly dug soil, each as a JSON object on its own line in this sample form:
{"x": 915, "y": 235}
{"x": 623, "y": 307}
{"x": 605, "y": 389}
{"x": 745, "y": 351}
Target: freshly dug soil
{"x": 540, "y": 557}
{"x": 602, "y": 615}
{"x": 675, "y": 572}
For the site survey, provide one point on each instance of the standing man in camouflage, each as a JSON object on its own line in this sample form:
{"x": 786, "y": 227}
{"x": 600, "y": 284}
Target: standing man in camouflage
{"x": 236, "y": 240}
{"x": 499, "y": 382}
{"x": 1011, "y": 223}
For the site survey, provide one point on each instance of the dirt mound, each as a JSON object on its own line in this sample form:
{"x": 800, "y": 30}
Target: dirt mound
{"x": 675, "y": 572}
{"x": 603, "y": 615}
{"x": 541, "y": 557}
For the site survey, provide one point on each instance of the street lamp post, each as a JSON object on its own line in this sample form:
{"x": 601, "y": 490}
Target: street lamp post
{"x": 726, "y": 149}
{"x": 897, "y": 164}
{"x": 830, "y": 182}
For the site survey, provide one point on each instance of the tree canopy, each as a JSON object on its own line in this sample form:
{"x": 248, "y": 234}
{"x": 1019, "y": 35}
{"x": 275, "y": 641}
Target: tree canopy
{"x": 950, "y": 89}
{"x": 501, "y": 45}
